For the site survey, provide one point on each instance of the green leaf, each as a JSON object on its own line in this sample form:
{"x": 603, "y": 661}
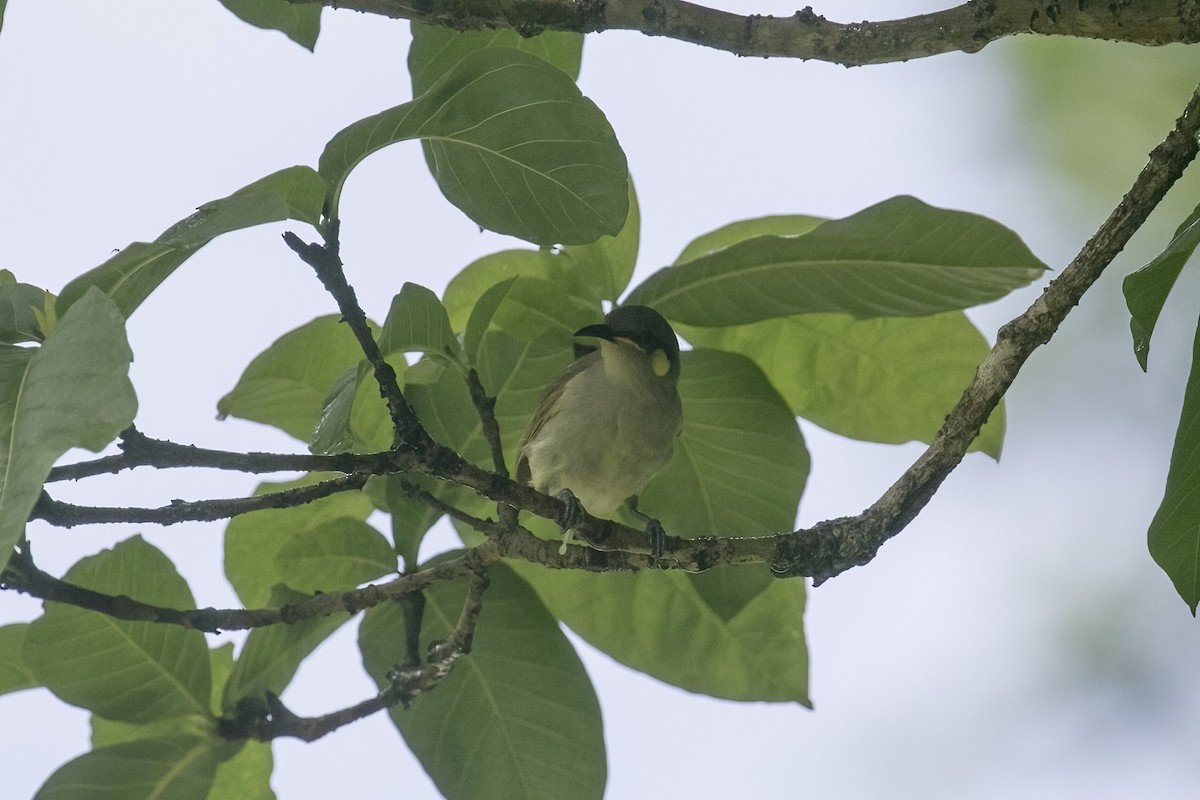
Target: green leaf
{"x": 436, "y": 49}
{"x": 19, "y": 306}
{"x": 286, "y": 385}
{"x": 300, "y": 23}
{"x": 511, "y": 142}
{"x": 271, "y": 655}
{"x": 469, "y": 286}
{"x": 1174, "y": 535}
{"x": 15, "y": 674}
{"x": 663, "y": 624}
{"x": 890, "y": 380}
{"x": 129, "y": 671}
{"x": 601, "y": 270}
{"x": 417, "y": 322}
{"x": 334, "y": 555}
{"x": 1146, "y": 289}
{"x": 178, "y": 767}
{"x": 73, "y": 391}
{"x": 734, "y": 232}
{"x": 739, "y": 468}
{"x": 252, "y": 541}
{"x": 517, "y": 718}
{"x": 132, "y": 274}
{"x": 481, "y": 316}
{"x": 898, "y": 258}
{"x": 246, "y": 776}
{"x": 740, "y": 463}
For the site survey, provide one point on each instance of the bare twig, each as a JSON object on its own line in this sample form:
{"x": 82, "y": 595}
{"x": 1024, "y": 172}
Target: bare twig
{"x": 68, "y": 515}
{"x": 327, "y": 263}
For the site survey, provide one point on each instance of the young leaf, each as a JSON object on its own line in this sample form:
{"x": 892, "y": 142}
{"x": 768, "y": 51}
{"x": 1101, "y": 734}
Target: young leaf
{"x": 180, "y": 767}
{"x": 516, "y": 718}
{"x": 19, "y": 307}
{"x": 1146, "y": 289}
{"x": 300, "y": 23}
{"x": 890, "y": 380}
{"x": 132, "y": 274}
{"x": 252, "y": 541}
{"x": 898, "y": 258}
{"x": 436, "y": 48}
{"x": 15, "y": 674}
{"x": 73, "y": 391}
{"x": 270, "y": 657}
{"x": 1174, "y": 535}
{"x": 417, "y": 322}
{"x": 286, "y": 385}
{"x": 136, "y": 672}
{"x": 511, "y": 142}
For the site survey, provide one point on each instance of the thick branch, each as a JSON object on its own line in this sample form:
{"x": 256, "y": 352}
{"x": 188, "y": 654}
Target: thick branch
{"x": 806, "y": 34}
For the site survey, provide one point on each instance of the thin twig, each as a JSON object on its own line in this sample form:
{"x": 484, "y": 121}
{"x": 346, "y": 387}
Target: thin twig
{"x": 68, "y": 515}
{"x": 327, "y": 263}
{"x": 139, "y": 450}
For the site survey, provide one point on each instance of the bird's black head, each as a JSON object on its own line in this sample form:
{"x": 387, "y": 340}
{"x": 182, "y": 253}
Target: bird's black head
{"x": 641, "y": 326}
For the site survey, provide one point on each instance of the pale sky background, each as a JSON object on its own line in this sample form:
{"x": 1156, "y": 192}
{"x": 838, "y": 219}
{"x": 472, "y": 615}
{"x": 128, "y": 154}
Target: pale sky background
{"x": 1015, "y": 641}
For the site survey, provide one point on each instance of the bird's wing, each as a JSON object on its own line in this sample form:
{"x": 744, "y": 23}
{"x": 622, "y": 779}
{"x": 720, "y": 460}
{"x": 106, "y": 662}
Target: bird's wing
{"x": 547, "y": 407}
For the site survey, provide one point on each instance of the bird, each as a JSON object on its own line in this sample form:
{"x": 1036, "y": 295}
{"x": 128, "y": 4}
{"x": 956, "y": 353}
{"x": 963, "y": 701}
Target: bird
{"x": 608, "y": 423}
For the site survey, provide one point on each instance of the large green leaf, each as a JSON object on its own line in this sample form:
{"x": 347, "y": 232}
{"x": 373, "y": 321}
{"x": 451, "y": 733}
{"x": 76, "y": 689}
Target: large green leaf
{"x": 511, "y": 142}
{"x": 136, "y": 672}
{"x": 601, "y": 270}
{"x": 179, "y": 767}
{"x": 739, "y": 469}
{"x": 73, "y": 391}
{"x": 15, "y": 674}
{"x": 437, "y": 48}
{"x": 132, "y": 274}
{"x": 898, "y": 258}
{"x": 477, "y": 278}
{"x": 734, "y": 232}
{"x": 270, "y": 657}
{"x": 300, "y": 23}
{"x": 517, "y": 718}
{"x": 1146, "y": 289}
{"x": 334, "y": 556}
{"x": 1174, "y": 535}
{"x": 286, "y": 385}
{"x": 253, "y": 541}
{"x": 891, "y": 379}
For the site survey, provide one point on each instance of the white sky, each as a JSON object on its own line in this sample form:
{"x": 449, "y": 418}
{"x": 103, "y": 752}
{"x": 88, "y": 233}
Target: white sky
{"x": 1016, "y": 641}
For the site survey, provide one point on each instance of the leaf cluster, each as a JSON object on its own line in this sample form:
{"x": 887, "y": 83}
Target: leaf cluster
{"x": 856, "y": 325}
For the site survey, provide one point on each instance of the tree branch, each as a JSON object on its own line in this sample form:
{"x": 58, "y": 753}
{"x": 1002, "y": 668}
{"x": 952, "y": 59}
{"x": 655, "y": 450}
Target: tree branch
{"x": 327, "y": 263}
{"x": 806, "y": 34}
{"x": 68, "y": 515}
{"x": 267, "y": 718}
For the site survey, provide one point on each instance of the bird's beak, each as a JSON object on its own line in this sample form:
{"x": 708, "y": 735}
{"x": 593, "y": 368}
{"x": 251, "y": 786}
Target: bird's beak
{"x": 598, "y": 331}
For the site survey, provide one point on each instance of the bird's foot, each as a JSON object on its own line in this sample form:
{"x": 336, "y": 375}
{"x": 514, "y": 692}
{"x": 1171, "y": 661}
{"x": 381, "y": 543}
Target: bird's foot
{"x": 571, "y": 517}
{"x": 654, "y": 530}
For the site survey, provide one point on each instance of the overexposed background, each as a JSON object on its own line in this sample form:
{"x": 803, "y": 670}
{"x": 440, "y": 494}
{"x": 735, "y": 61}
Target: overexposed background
{"x": 1015, "y": 641}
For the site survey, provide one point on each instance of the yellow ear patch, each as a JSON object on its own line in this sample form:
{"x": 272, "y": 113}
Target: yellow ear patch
{"x": 660, "y": 363}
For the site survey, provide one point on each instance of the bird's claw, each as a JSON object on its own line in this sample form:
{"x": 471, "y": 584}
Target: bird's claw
{"x": 571, "y": 517}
